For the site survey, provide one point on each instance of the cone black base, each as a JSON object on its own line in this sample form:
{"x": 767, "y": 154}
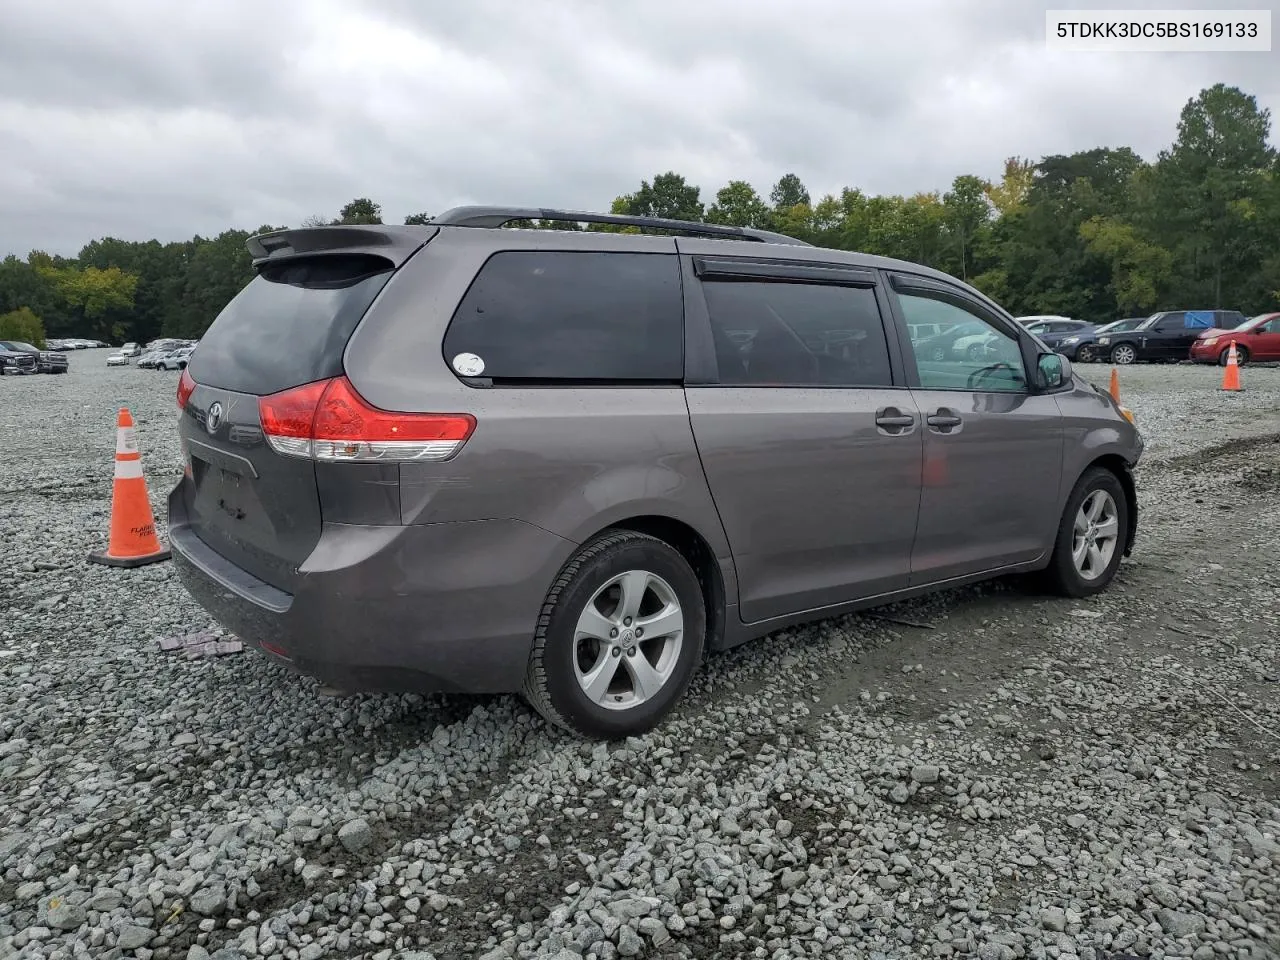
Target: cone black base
{"x": 128, "y": 563}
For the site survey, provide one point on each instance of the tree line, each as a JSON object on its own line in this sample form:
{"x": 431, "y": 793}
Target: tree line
{"x": 1099, "y": 234}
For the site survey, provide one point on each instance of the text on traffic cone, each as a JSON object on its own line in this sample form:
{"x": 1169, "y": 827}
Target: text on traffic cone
{"x": 133, "y": 541}
{"x": 1231, "y": 374}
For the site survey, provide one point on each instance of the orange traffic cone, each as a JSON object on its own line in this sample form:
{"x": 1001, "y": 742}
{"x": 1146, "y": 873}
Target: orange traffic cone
{"x": 133, "y": 527}
{"x": 1231, "y": 373}
{"x": 1115, "y": 385}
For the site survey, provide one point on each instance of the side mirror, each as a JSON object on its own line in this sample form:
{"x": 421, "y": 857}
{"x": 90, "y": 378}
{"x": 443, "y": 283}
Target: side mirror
{"x": 1053, "y": 370}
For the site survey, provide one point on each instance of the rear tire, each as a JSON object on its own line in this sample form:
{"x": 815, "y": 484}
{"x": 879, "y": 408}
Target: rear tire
{"x": 1064, "y": 575}
{"x": 567, "y": 661}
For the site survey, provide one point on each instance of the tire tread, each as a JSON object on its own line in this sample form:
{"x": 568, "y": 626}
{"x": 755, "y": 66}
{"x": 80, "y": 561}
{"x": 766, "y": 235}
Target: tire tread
{"x": 535, "y": 680}
{"x": 1060, "y": 577}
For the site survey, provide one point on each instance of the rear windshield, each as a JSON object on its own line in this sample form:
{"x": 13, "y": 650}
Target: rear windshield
{"x": 290, "y": 324}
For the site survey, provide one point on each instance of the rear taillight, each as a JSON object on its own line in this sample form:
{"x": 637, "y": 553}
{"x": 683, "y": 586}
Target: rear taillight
{"x": 185, "y": 388}
{"x": 327, "y": 420}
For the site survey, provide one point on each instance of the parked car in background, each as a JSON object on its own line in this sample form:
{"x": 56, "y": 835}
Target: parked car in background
{"x": 47, "y": 361}
{"x": 148, "y": 359}
{"x": 117, "y": 360}
{"x": 1166, "y": 336}
{"x": 1052, "y": 332}
{"x": 177, "y": 360}
{"x": 1082, "y": 346}
{"x": 1257, "y": 339}
{"x": 15, "y": 362}
{"x": 1040, "y": 318}
{"x": 131, "y": 349}
{"x": 946, "y": 345}
{"x": 463, "y": 457}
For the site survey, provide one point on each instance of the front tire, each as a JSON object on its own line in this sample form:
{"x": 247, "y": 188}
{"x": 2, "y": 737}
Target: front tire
{"x": 588, "y": 671}
{"x": 1242, "y": 356}
{"x": 1092, "y": 536}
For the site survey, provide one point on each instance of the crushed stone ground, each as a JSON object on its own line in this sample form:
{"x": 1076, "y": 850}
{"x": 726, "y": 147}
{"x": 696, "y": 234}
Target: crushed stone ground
{"x": 1029, "y": 778}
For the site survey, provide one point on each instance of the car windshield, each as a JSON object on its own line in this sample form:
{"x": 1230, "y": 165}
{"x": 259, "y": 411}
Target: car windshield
{"x": 18, "y": 345}
{"x": 1254, "y": 321}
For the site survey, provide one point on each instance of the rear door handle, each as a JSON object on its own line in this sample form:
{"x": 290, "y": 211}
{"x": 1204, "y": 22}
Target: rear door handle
{"x": 893, "y": 422}
{"x": 943, "y": 420}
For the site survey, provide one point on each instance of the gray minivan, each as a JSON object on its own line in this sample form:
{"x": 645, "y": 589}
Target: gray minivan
{"x": 466, "y": 457}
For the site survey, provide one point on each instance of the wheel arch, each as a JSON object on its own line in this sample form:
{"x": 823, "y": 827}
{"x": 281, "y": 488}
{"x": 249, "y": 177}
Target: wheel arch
{"x": 694, "y": 547}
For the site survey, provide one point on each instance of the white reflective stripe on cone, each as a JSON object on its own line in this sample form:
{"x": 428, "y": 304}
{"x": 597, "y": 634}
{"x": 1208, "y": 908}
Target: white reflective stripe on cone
{"x": 126, "y": 441}
{"x": 128, "y": 469}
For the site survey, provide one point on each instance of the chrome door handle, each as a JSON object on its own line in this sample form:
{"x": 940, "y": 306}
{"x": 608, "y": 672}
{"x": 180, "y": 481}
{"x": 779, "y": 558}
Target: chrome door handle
{"x": 943, "y": 420}
{"x": 892, "y": 421}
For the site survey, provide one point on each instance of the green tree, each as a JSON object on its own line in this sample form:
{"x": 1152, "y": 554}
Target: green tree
{"x": 967, "y": 211}
{"x": 1140, "y": 269}
{"x": 1205, "y": 189}
{"x": 360, "y": 210}
{"x": 738, "y": 204}
{"x": 668, "y": 197}
{"x": 218, "y": 269}
{"x": 1011, "y": 192}
{"x": 789, "y": 192}
{"x": 417, "y": 219}
{"x": 22, "y": 324}
{"x": 22, "y": 285}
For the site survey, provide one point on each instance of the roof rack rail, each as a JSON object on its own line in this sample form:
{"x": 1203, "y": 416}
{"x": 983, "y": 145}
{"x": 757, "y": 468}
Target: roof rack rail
{"x": 479, "y": 216}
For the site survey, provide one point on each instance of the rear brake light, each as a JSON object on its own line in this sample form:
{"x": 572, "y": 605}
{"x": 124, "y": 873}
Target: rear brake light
{"x": 185, "y": 388}
{"x": 327, "y": 420}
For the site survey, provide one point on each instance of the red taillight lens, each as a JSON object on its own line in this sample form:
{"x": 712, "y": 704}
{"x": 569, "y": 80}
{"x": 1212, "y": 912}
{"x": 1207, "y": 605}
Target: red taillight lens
{"x": 287, "y": 417}
{"x": 185, "y": 388}
{"x": 328, "y": 420}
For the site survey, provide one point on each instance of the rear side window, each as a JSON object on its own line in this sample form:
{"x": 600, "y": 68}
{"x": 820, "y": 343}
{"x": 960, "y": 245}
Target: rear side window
{"x": 572, "y": 317}
{"x": 290, "y": 324}
{"x": 797, "y": 334}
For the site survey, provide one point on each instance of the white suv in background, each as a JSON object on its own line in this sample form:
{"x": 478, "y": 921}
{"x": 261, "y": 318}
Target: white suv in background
{"x": 177, "y": 360}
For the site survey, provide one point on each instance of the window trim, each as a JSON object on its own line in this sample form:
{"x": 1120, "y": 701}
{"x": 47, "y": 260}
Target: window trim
{"x": 702, "y": 368}
{"x": 548, "y": 383}
{"x": 741, "y": 270}
{"x": 910, "y": 284}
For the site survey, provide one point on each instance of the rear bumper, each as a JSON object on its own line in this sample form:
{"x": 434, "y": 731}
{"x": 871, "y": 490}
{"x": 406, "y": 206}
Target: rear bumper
{"x": 446, "y": 607}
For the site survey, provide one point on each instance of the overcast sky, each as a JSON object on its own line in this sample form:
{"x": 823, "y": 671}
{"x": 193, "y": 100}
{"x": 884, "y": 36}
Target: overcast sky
{"x": 155, "y": 118}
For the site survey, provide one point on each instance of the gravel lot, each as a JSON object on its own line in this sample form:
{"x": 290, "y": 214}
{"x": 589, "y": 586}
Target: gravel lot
{"x": 1025, "y": 777}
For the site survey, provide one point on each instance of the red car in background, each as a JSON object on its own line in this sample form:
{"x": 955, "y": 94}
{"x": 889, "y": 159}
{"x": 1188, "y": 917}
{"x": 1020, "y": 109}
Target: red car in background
{"x": 1256, "y": 339}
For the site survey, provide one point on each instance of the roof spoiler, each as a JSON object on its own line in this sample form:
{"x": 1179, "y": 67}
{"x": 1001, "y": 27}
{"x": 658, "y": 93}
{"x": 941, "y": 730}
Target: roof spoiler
{"x": 392, "y": 242}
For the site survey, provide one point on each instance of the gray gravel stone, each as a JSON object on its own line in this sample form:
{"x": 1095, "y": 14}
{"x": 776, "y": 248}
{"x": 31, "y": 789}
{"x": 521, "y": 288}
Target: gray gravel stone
{"x": 355, "y": 835}
{"x": 209, "y": 901}
{"x": 132, "y": 936}
{"x": 66, "y": 916}
{"x": 925, "y": 773}
{"x": 1179, "y": 924}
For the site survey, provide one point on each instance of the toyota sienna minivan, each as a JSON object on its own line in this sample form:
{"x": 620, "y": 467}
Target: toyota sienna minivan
{"x": 467, "y": 457}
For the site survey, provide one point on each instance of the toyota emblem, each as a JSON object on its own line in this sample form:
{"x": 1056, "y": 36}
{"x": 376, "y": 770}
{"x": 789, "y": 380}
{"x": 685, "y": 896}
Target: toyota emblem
{"x": 213, "y": 417}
